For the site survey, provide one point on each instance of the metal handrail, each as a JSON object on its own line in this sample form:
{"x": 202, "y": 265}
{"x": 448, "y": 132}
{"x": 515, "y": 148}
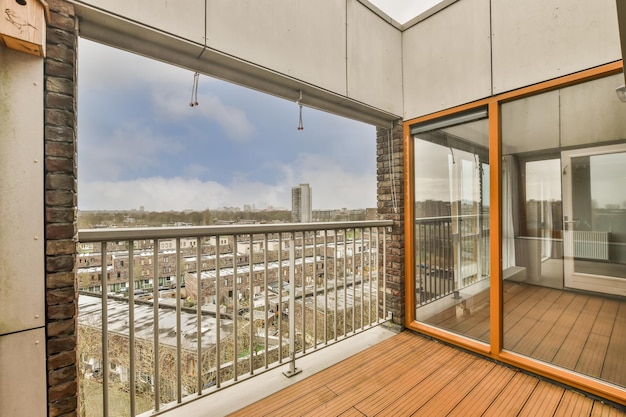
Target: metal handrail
{"x": 141, "y": 233}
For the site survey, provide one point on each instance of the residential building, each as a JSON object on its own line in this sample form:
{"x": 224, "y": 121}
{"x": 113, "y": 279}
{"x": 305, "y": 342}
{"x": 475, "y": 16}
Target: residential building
{"x": 302, "y": 204}
{"x": 506, "y": 111}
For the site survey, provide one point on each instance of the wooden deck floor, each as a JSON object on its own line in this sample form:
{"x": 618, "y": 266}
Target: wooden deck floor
{"x": 411, "y": 375}
{"x": 587, "y": 332}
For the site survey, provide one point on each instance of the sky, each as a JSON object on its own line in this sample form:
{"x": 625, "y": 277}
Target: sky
{"x": 141, "y": 144}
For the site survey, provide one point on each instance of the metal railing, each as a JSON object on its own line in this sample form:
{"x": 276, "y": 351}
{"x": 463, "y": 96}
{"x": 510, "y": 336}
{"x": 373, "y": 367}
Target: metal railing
{"x": 172, "y": 314}
{"x": 451, "y": 253}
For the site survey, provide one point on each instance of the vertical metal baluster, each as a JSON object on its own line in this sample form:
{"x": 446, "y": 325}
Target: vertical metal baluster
{"x": 251, "y": 307}
{"x": 105, "y": 330}
{"x": 266, "y": 301}
{"x": 235, "y": 361}
{"x": 335, "y": 276}
{"x": 353, "y": 262}
{"x": 155, "y": 324}
{"x": 369, "y": 237}
{"x": 427, "y": 255}
{"x": 451, "y": 258}
{"x": 425, "y": 260}
{"x": 131, "y": 327}
{"x": 292, "y": 307}
{"x": 370, "y": 244}
{"x": 325, "y": 266}
{"x": 384, "y": 274}
{"x": 453, "y": 262}
{"x": 179, "y": 382}
{"x": 279, "y": 306}
{"x": 199, "y": 314}
{"x": 345, "y": 281}
{"x": 419, "y": 291}
{"x": 440, "y": 285}
{"x": 314, "y": 290}
{"x": 303, "y": 284}
{"x": 439, "y": 232}
{"x": 457, "y": 255}
{"x": 218, "y": 315}
{"x": 439, "y": 290}
{"x": 438, "y": 226}
{"x": 432, "y": 259}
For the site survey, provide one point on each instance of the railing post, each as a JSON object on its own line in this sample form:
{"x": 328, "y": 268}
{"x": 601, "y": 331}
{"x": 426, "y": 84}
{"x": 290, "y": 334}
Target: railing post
{"x": 292, "y": 309}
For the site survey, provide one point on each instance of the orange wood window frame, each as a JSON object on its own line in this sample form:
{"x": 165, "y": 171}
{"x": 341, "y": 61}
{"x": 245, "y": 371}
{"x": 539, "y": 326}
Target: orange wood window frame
{"x": 495, "y": 348}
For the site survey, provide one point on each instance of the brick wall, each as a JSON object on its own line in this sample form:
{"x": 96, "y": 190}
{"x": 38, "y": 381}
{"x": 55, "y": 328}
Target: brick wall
{"x": 390, "y": 180}
{"x": 60, "y": 209}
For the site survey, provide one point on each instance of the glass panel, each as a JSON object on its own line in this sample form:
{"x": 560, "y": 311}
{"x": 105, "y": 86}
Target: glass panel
{"x": 452, "y": 228}
{"x": 564, "y": 228}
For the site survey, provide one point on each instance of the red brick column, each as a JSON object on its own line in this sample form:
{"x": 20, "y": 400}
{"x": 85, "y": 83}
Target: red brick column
{"x": 390, "y": 185}
{"x": 60, "y": 209}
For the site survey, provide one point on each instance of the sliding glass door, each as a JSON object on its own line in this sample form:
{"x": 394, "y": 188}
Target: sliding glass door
{"x": 452, "y": 224}
{"x": 564, "y": 228}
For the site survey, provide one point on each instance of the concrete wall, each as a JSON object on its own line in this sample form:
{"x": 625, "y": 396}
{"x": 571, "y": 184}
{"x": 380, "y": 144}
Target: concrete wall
{"x": 22, "y": 301}
{"x": 475, "y": 48}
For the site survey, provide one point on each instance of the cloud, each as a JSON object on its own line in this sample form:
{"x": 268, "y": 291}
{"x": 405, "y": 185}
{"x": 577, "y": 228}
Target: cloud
{"x": 173, "y": 105}
{"x": 130, "y": 149}
{"x": 195, "y": 170}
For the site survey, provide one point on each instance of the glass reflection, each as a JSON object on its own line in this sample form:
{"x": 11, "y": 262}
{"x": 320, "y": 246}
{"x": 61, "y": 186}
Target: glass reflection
{"x": 452, "y": 228}
{"x": 564, "y": 229}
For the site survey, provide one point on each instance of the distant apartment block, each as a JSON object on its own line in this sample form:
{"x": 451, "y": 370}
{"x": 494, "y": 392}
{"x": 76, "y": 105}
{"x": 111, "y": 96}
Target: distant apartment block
{"x": 302, "y": 204}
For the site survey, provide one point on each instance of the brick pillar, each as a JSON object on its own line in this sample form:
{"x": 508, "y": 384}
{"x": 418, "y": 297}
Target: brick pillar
{"x": 390, "y": 185}
{"x": 60, "y": 209}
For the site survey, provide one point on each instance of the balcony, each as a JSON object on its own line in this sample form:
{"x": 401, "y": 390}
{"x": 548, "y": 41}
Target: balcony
{"x": 330, "y": 357}
{"x": 171, "y": 315}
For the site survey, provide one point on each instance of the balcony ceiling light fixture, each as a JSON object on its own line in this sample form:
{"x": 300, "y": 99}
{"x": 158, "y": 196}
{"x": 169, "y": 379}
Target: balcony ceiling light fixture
{"x": 621, "y": 93}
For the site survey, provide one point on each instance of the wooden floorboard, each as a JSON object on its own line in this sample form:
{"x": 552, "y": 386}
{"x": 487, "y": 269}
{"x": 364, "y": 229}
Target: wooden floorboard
{"x": 577, "y": 331}
{"x": 574, "y": 404}
{"x": 614, "y": 368}
{"x": 543, "y": 401}
{"x": 513, "y": 397}
{"x": 577, "y": 337}
{"x": 426, "y": 378}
